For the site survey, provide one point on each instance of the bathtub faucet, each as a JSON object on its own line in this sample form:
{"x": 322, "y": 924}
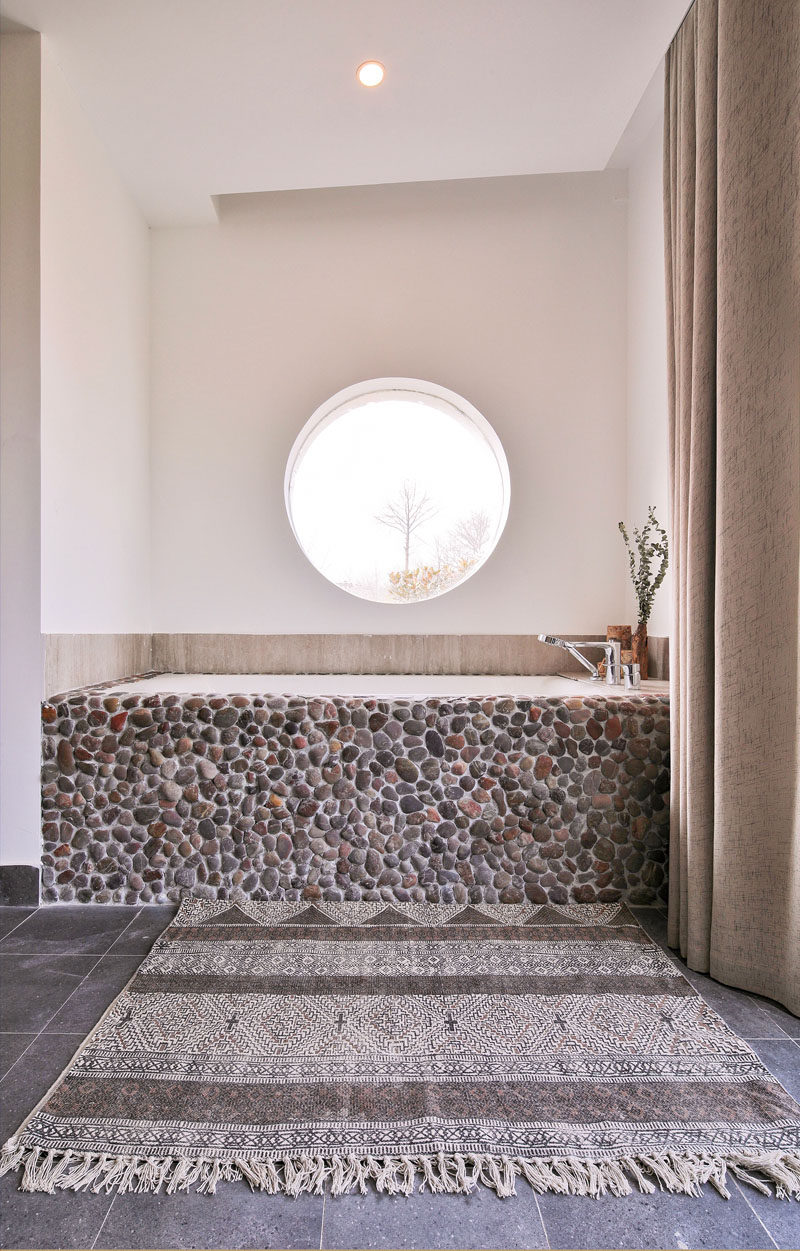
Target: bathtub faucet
{"x": 611, "y": 649}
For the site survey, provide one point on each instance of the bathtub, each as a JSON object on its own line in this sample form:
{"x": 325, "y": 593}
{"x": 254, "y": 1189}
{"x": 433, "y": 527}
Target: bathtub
{"x": 378, "y": 686}
{"x": 509, "y": 789}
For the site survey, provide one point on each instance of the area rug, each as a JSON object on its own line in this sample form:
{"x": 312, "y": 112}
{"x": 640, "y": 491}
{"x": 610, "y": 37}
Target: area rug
{"x": 335, "y": 1045}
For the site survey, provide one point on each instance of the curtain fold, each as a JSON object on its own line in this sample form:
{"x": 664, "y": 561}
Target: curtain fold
{"x": 732, "y": 237}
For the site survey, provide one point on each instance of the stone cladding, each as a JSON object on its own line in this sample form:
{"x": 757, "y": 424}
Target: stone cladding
{"x": 148, "y": 797}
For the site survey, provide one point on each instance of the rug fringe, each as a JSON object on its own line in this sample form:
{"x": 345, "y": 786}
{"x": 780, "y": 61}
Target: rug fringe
{"x": 681, "y": 1173}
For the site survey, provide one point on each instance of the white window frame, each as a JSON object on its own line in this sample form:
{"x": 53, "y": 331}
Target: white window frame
{"x": 434, "y": 395}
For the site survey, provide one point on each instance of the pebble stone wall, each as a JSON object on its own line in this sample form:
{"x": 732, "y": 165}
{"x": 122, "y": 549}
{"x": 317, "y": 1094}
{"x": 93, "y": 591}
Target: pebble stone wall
{"x": 148, "y": 797}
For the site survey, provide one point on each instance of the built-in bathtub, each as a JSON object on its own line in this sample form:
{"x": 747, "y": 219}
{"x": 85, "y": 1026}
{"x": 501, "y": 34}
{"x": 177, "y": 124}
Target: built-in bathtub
{"x": 376, "y": 685}
{"x": 505, "y": 789}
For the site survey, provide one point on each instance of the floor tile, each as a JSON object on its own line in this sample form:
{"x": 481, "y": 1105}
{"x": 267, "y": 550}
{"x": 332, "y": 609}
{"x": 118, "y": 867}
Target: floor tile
{"x": 233, "y": 1217}
{"x": 79, "y": 929}
{"x": 29, "y": 1080}
{"x": 39, "y": 1220}
{"x": 781, "y": 1217}
{"x": 789, "y": 1024}
{"x": 782, "y": 1057}
{"x": 652, "y": 1221}
{"x": 140, "y": 935}
{"x": 653, "y": 922}
{"x": 434, "y": 1221}
{"x": 35, "y": 986}
{"x": 83, "y": 1010}
{"x": 10, "y": 917}
{"x": 11, "y": 1048}
{"x": 744, "y": 1015}
{"x": 60, "y": 1220}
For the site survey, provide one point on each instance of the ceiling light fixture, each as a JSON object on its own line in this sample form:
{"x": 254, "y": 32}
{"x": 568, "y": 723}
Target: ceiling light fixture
{"x": 370, "y": 73}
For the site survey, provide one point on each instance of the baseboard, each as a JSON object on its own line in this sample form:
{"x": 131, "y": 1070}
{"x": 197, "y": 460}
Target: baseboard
{"x": 19, "y": 885}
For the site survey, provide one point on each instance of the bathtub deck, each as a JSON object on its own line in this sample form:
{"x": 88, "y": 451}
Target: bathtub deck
{"x": 377, "y": 685}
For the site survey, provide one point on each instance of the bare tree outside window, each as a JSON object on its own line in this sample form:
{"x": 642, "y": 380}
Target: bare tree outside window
{"x": 407, "y": 512}
{"x": 471, "y": 535}
{"x": 465, "y": 542}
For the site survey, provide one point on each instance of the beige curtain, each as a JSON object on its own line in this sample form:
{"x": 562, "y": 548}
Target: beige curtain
{"x": 732, "y": 217}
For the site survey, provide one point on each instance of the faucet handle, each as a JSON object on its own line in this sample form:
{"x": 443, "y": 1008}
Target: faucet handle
{"x": 613, "y": 650}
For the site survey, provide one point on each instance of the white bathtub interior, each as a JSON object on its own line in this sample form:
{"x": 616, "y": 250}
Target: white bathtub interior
{"x": 379, "y": 685}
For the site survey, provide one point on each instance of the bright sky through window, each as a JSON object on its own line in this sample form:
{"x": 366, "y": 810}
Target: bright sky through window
{"x": 397, "y": 495}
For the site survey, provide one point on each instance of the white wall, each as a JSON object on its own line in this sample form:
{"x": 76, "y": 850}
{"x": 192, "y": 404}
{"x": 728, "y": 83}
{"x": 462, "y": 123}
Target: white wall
{"x": 95, "y": 381}
{"x": 20, "y": 640}
{"x": 508, "y": 291}
{"x": 74, "y": 403}
{"x": 647, "y": 450}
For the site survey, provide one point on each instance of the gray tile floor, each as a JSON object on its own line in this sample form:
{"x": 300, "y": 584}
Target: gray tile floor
{"x": 60, "y": 968}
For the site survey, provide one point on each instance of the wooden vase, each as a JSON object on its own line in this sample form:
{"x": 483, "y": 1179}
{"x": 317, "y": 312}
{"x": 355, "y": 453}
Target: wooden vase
{"x": 640, "y": 649}
{"x": 620, "y": 634}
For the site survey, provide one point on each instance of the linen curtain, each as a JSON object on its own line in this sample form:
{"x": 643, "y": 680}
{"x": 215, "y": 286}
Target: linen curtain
{"x": 732, "y": 227}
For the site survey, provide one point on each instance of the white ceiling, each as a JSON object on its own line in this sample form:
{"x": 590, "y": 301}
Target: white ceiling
{"x": 196, "y": 98}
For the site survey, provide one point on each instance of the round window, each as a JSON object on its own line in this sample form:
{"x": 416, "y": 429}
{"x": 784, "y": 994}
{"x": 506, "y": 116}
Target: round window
{"x": 397, "y": 490}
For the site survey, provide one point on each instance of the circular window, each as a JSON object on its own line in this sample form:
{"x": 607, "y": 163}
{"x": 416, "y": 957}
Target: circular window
{"x": 397, "y": 490}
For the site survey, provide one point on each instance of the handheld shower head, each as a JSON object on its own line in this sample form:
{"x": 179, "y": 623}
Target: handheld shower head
{"x": 551, "y": 640}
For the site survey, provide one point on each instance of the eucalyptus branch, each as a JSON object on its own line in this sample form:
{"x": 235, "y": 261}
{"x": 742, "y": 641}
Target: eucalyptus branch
{"x": 651, "y": 544}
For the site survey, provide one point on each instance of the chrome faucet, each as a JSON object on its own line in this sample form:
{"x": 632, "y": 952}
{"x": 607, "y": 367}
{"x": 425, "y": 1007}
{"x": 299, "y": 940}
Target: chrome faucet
{"x": 611, "y": 649}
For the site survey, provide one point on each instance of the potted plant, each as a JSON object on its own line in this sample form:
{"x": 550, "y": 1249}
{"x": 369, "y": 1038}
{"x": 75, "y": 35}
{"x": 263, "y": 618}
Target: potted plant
{"x": 650, "y": 545}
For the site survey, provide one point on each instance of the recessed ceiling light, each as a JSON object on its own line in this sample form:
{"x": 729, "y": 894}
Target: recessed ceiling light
{"x": 370, "y": 73}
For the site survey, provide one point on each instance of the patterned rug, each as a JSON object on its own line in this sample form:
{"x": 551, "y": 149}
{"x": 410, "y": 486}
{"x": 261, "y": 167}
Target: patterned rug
{"x": 446, "y": 1046}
